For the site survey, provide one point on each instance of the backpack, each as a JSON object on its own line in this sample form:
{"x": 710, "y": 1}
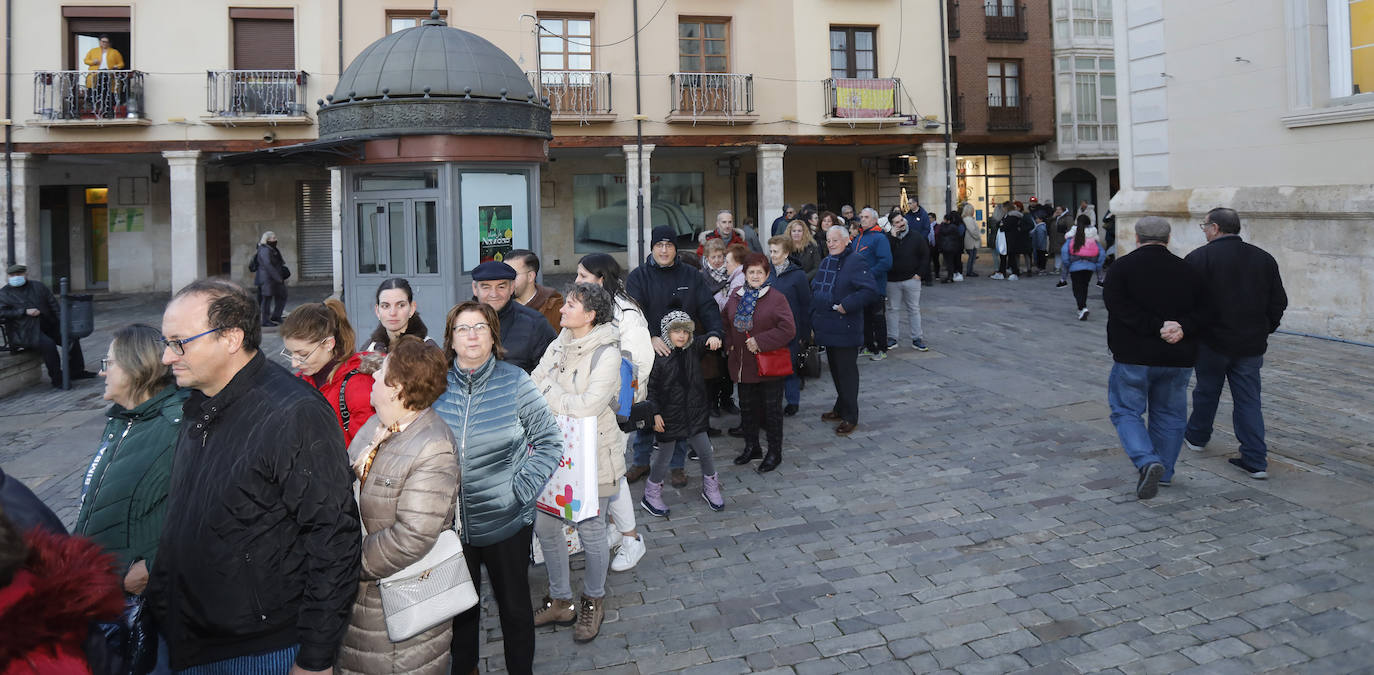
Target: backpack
{"x": 629, "y": 384}
{"x": 253, "y": 264}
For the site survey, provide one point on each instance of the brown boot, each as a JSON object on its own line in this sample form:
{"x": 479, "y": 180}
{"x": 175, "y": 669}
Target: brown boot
{"x": 678, "y": 478}
{"x": 589, "y": 619}
{"x": 559, "y": 612}
{"x": 636, "y": 472}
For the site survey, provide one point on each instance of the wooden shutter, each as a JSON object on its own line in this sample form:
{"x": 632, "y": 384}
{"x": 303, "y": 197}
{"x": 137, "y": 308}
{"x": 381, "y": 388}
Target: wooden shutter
{"x": 314, "y": 237}
{"x": 264, "y": 44}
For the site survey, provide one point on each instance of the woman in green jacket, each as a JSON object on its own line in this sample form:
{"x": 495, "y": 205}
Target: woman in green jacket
{"x": 124, "y": 495}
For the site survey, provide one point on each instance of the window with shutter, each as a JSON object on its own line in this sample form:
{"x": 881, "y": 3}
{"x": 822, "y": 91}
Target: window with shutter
{"x": 314, "y": 237}
{"x": 264, "y": 39}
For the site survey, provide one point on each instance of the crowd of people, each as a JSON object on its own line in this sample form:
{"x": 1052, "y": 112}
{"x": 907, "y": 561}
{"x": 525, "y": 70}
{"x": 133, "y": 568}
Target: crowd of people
{"x": 255, "y": 509}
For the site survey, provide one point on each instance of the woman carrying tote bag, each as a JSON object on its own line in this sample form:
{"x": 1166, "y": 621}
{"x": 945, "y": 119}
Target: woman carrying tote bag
{"x": 408, "y": 477}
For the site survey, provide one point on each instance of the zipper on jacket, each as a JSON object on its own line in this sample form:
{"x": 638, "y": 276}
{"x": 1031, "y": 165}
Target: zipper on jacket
{"x": 463, "y": 456}
{"x": 113, "y": 451}
{"x": 253, "y": 587}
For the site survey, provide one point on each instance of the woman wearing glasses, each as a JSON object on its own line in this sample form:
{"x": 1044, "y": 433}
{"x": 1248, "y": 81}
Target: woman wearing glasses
{"x": 319, "y": 342}
{"x": 124, "y": 494}
{"x": 508, "y": 445}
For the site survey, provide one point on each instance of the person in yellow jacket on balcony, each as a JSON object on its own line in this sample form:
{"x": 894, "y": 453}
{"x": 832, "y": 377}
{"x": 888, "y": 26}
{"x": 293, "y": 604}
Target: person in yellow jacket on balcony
{"x": 101, "y": 88}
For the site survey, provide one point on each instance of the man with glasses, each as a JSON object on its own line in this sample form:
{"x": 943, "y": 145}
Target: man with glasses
{"x": 259, "y": 558}
{"x": 525, "y": 333}
{"x": 1245, "y": 302}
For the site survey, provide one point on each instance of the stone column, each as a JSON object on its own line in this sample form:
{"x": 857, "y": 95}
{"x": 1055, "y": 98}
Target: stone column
{"x": 27, "y": 237}
{"x": 187, "y": 186}
{"x": 336, "y": 190}
{"x": 930, "y": 177}
{"x": 769, "y": 165}
{"x": 637, "y": 174}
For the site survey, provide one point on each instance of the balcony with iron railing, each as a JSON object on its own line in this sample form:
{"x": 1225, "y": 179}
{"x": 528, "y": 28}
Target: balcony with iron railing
{"x": 1009, "y": 113}
{"x": 255, "y": 97}
{"x": 952, "y": 18}
{"x": 1004, "y": 21}
{"x": 863, "y": 101}
{"x": 575, "y": 96}
{"x": 88, "y": 98}
{"x": 711, "y": 98}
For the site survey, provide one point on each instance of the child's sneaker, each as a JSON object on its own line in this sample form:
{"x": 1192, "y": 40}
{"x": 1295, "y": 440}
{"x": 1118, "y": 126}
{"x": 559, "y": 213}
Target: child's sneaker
{"x": 710, "y": 491}
{"x": 631, "y": 550}
{"x": 653, "y": 499}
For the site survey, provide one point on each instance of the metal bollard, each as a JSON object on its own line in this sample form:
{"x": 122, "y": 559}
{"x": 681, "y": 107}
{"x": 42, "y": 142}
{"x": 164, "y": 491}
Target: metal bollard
{"x": 64, "y": 287}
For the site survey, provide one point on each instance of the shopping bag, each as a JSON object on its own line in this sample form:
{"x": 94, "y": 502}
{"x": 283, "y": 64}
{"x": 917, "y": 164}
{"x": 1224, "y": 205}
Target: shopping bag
{"x": 1002, "y": 242}
{"x": 571, "y": 493}
{"x": 570, "y": 539}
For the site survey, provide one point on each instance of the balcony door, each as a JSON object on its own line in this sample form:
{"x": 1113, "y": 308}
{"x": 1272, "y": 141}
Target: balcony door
{"x": 565, "y": 62}
{"x": 704, "y": 60}
{"x": 853, "y": 53}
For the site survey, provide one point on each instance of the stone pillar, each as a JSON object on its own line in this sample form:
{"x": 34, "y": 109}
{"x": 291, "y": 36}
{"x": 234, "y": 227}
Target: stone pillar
{"x": 336, "y": 190}
{"x": 27, "y": 236}
{"x": 769, "y": 165}
{"x": 637, "y": 174}
{"x": 187, "y": 184}
{"x": 930, "y": 177}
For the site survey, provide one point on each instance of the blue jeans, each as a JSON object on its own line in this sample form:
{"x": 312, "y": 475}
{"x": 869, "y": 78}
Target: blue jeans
{"x": 1162, "y": 392}
{"x": 1243, "y": 374}
{"x": 644, "y": 451}
{"x": 791, "y": 385}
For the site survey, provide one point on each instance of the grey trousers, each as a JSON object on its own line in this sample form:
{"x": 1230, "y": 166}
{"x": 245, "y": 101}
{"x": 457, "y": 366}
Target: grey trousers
{"x": 549, "y": 530}
{"x": 658, "y": 468}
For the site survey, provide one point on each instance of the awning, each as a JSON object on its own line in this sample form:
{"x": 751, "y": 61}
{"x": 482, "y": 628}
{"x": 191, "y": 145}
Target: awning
{"x": 317, "y": 152}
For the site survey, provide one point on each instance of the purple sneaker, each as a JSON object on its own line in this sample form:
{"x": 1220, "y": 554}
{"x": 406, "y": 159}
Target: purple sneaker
{"x": 710, "y": 491}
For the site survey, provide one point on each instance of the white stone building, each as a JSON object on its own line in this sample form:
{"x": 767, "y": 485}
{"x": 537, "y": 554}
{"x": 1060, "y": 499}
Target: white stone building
{"x": 1266, "y": 107}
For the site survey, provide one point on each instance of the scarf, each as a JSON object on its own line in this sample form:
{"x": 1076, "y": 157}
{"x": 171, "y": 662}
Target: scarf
{"x": 719, "y": 274}
{"x": 779, "y": 269}
{"x": 744, "y": 312}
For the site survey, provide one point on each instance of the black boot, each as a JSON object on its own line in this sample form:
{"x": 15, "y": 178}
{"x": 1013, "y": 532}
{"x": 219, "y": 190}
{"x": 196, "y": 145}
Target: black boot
{"x": 749, "y": 455}
{"x": 770, "y": 461}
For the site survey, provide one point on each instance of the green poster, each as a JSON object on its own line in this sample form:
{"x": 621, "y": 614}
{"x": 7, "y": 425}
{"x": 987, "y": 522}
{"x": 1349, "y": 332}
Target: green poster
{"x": 126, "y": 220}
{"x": 494, "y": 233}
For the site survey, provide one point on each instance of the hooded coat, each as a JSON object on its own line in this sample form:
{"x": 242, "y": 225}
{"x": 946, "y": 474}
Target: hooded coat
{"x": 406, "y": 501}
{"x": 580, "y": 377}
{"x": 677, "y": 390}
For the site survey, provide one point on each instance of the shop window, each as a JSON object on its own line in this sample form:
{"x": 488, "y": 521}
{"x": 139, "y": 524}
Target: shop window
{"x": 600, "y": 212}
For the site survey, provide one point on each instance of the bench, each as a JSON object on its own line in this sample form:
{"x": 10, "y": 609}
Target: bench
{"x": 19, "y": 371}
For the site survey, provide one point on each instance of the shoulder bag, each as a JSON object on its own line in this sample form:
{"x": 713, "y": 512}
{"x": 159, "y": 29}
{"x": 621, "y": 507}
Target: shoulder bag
{"x": 774, "y": 363}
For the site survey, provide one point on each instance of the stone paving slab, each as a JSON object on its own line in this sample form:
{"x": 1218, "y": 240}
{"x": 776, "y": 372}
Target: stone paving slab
{"x": 981, "y": 520}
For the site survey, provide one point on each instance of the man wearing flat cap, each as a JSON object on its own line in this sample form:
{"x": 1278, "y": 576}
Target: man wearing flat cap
{"x": 525, "y": 334}
{"x": 33, "y": 321}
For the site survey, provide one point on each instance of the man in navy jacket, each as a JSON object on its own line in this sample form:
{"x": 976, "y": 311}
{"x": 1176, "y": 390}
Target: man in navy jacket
{"x": 872, "y": 246}
{"x": 841, "y": 291}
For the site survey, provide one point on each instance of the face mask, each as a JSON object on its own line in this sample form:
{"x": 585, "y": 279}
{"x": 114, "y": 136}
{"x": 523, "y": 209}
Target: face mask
{"x": 17, "y": 281}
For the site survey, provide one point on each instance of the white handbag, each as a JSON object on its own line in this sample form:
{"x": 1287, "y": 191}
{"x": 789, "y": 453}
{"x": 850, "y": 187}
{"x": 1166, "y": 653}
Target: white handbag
{"x": 430, "y": 591}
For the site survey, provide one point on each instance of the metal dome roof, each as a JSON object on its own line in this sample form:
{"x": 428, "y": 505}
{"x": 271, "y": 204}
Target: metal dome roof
{"x": 449, "y": 61}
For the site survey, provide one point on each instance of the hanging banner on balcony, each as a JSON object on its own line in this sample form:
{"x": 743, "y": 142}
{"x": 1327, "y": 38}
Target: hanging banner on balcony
{"x": 865, "y": 99}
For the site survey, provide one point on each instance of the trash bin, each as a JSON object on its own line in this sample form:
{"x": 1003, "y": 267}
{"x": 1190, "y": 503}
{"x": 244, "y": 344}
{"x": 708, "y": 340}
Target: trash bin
{"x": 82, "y": 308}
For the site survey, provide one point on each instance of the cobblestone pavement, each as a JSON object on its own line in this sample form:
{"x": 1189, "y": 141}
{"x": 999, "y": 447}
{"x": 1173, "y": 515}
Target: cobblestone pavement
{"x": 981, "y": 520}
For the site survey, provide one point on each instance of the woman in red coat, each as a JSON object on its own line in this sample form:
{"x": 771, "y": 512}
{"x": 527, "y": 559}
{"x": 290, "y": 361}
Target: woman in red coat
{"x": 319, "y": 341}
{"x": 757, "y": 319}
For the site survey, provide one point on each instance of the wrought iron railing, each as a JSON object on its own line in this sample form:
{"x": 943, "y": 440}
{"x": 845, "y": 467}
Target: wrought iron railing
{"x": 88, "y": 94}
{"x": 255, "y": 93}
{"x": 863, "y": 98}
{"x": 711, "y": 94}
{"x": 956, "y": 114}
{"x": 1004, "y": 20}
{"x": 579, "y": 93}
{"x": 952, "y": 18}
{"x": 1009, "y": 113}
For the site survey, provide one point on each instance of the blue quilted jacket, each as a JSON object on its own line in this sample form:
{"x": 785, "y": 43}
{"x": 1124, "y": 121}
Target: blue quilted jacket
{"x": 508, "y": 445}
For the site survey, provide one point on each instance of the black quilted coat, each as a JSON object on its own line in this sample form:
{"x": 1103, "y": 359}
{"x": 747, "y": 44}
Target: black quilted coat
{"x": 678, "y": 391}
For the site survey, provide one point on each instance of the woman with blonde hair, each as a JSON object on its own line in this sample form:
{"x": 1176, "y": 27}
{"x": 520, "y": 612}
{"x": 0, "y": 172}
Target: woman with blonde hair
{"x": 801, "y": 244}
{"x": 319, "y": 344}
{"x": 973, "y": 238}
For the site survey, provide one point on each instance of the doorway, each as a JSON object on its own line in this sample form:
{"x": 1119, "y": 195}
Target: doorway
{"x": 97, "y": 223}
{"x": 1072, "y": 186}
{"x": 217, "y": 250}
{"x": 55, "y": 236}
{"x": 834, "y": 189}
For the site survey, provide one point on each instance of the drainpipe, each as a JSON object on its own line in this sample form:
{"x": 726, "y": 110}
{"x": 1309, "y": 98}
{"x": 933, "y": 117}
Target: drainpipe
{"x": 639, "y": 139}
{"x": 9, "y": 127}
{"x": 944, "y": 77}
{"x": 341, "y": 63}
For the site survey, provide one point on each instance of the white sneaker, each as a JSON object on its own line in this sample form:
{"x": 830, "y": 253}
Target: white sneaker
{"x": 1194, "y": 448}
{"x": 631, "y": 550}
{"x": 1013, "y": 277}
{"x": 1083, "y": 314}
{"x": 998, "y": 276}
{"x": 958, "y": 277}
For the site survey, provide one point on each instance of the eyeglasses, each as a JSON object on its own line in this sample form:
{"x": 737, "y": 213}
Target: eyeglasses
{"x": 1204, "y": 225}
{"x": 294, "y": 357}
{"x": 464, "y": 329}
{"x": 178, "y": 347}
{"x": 105, "y": 364}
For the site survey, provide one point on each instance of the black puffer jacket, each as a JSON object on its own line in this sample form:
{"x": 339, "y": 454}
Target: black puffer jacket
{"x": 24, "y": 330}
{"x": 659, "y": 289}
{"x": 261, "y": 548}
{"x": 525, "y": 335}
{"x": 678, "y": 391}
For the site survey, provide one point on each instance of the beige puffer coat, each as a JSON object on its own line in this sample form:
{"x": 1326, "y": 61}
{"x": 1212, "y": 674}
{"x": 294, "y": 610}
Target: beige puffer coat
{"x": 406, "y": 502}
{"x": 573, "y": 387}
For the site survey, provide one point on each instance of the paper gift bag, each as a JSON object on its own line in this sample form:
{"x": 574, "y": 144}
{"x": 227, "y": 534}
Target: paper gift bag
{"x": 570, "y": 538}
{"x": 571, "y": 493}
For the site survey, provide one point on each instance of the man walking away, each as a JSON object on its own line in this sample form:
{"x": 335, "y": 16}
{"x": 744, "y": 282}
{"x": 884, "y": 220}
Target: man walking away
{"x": 260, "y": 554}
{"x": 1154, "y": 313}
{"x": 270, "y": 275}
{"x": 872, "y": 246}
{"x": 910, "y": 255}
{"x": 1245, "y": 303}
